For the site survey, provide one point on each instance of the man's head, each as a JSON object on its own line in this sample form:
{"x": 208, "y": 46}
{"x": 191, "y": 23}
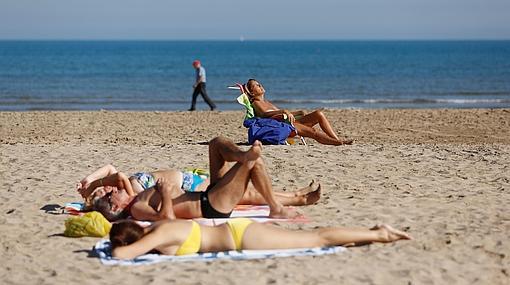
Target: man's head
{"x": 196, "y": 63}
{"x": 113, "y": 204}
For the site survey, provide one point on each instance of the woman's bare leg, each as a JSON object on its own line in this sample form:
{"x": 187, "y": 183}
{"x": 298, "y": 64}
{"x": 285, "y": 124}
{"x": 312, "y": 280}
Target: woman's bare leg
{"x": 318, "y": 117}
{"x": 264, "y": 236}
{"x": 229, "y": 187}
{"x": 304, "y": 196}
{"x": 306, "y": 131}
{"x": 262, "y": 183}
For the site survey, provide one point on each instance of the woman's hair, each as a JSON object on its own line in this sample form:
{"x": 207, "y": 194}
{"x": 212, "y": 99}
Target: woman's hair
{"x": 89, "y": 201}
{"x": 125, "y": 233}
{"x": 103, "y": 206}
{"x": 248, "y": 85}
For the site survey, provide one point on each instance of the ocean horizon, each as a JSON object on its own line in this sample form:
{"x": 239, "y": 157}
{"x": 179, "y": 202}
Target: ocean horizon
{"x": 157, "y": 75}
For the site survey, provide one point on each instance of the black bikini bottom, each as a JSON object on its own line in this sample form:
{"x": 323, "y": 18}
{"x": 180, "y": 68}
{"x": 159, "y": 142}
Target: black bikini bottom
{"x": 207, "y": 209}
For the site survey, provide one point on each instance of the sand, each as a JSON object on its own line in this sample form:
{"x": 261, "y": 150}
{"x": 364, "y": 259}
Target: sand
{"x": 442, "y": 175}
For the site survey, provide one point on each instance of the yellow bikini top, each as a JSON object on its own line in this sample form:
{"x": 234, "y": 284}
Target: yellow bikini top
{"x": 192, "y": 243}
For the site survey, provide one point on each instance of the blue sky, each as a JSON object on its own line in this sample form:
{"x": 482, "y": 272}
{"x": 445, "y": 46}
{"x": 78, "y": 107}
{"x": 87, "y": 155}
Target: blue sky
{"x": 261, "y": 19}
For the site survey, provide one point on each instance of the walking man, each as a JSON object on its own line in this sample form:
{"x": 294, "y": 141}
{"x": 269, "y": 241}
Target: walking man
{"x": 199, "y": 87}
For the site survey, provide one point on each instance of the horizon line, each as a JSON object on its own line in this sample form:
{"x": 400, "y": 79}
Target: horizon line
{"x": 257, "y": 39}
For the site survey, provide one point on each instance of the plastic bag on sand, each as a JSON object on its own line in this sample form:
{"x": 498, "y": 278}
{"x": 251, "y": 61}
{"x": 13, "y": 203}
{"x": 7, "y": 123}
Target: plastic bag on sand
{"x": 92, "y": 224}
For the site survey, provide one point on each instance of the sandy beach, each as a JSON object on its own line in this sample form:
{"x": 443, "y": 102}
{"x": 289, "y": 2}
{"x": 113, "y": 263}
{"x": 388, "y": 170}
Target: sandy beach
{"x": 442, "y": 175}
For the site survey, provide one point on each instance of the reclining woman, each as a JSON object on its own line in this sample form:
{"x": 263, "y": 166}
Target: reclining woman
{"x": 303, "y": 124}
{"x": 227, "y": 188}
{"x": 94, "y": 186}
{"x": 179, "y": 237}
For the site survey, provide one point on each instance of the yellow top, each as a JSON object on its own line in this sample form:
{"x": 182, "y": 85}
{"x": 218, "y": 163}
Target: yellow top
{"x": 237, "y": 227}
{"x": 192, "y": 243}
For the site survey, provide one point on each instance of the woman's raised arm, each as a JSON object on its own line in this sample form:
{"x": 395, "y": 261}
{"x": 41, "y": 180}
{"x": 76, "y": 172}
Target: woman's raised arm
{"x": 147, "y": 243}
{"x": 102, "y": 172}
{"x": 119, "y": 180}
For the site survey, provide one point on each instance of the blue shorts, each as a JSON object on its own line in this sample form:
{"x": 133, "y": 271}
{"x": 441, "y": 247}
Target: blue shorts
{"x": 145, "y": 179}
{"x": 190, "y": 181}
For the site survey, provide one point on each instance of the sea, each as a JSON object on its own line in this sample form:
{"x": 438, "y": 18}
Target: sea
{"x": 158, "y": 75}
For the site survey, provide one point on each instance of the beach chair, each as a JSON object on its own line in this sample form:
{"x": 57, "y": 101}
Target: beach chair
{"x": 250, "y": 114}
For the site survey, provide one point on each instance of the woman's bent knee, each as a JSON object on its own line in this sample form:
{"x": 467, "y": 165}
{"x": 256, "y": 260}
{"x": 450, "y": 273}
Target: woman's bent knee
{"x": 217, "y": 141}
{"x": 319, "y": 114}
{"x": 259, "y": 163}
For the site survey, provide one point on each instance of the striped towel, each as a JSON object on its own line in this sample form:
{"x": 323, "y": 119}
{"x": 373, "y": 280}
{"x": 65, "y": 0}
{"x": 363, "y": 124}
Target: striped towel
{"x": 103, "y": 250}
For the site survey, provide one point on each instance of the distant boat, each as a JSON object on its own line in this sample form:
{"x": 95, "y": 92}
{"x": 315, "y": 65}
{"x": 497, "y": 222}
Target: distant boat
{"x": 241, "y": 39}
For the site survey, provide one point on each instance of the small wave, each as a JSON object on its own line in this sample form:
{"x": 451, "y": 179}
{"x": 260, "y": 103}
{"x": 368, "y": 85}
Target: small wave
{"x": 473, "y": 93}
{"x": 392, "y": 101}
{"x": 99, "y": 102}
{"x": 231, "y": 104}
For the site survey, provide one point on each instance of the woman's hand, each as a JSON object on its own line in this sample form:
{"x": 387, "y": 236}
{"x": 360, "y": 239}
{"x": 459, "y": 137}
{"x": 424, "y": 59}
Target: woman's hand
{"x": 241, "y": 88}
{"x": 83, "y": 184}
{"x": 81, "y": 190}
{"x": 290, "y": 117}
{"x": 85, "y": 192}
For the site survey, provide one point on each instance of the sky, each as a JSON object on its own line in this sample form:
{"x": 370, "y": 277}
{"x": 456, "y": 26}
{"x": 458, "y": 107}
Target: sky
{"x": 254, "y": 20}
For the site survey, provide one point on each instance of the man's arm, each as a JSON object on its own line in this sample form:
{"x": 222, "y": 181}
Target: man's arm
{"x": 141, "y": 210}
{"x": 165, "y": 190}
{"x": 200, "y": 77}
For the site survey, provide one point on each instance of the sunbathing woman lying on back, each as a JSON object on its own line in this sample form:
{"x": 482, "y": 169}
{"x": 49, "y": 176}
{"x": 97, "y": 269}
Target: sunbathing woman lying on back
{"x": 227, "y": 188}
{"x": 93, "y": 186}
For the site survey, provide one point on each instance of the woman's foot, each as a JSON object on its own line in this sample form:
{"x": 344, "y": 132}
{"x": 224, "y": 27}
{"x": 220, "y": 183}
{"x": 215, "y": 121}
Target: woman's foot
{"x": 314, "y": 196}
{"x": 305, "y": 190}
{"x": 311, "y": 196}
{"x": 346, "y": 141}
{"x": 389, "y": 234}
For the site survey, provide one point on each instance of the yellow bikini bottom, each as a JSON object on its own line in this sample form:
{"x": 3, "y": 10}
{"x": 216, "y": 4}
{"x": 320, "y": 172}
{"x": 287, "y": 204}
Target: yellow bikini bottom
{"x": 237, "y": 227}
{"x": 192, "y": 243}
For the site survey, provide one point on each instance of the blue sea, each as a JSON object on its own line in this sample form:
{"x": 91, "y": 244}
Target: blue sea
{"x": 157, "y": 75}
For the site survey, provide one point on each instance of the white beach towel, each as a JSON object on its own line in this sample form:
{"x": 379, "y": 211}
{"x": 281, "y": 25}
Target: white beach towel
{"x": 103, "y": 251}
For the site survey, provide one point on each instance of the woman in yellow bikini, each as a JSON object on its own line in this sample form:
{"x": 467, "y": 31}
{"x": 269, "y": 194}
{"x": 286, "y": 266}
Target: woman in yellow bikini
{"x": 304, "y": 124}
{"x": 181, "y": 237}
